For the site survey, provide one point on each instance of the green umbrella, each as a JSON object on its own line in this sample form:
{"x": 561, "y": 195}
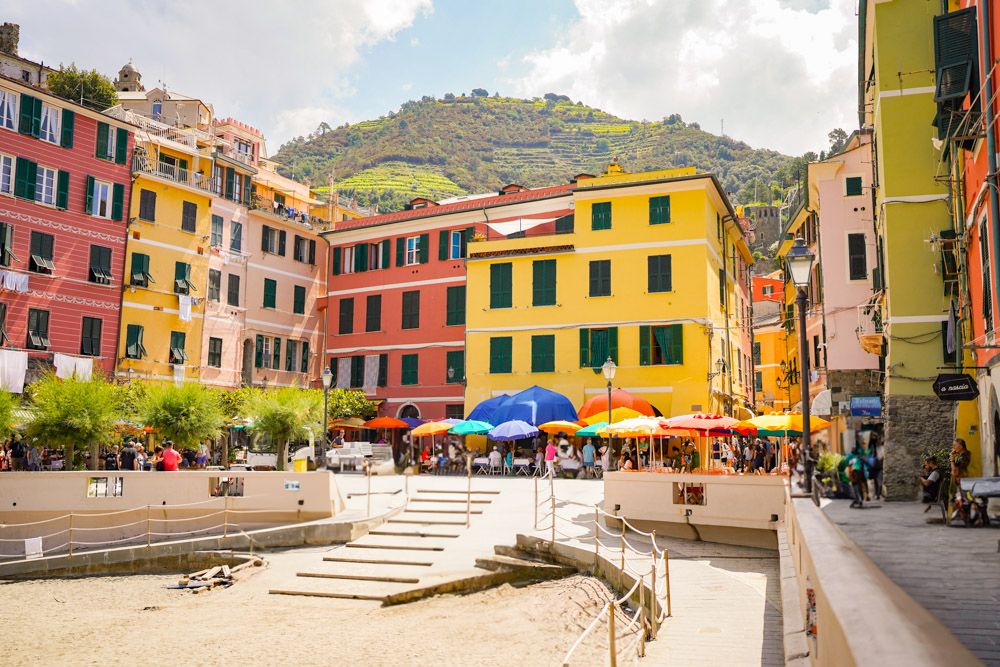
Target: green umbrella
{"x": 470, "y": 427}
{"x": 591, "y": 431}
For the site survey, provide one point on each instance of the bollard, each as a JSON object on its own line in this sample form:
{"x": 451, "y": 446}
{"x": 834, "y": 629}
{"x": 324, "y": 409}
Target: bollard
{"x": 623, "y": 549}
{"x": 613, "y": 652}
{"x": 654, "y": 615}
{"x": 666, "y": 574}
{"x": 642, "y": 619}
{"x": 70, "y": 543}
{"x": 149, "y": 533}
{"x": 468, "y": 495}
{"x": 553, "y": 505}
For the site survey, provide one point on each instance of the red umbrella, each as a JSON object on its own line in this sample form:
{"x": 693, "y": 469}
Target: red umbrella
{"x": 386, "y": 422}
{"x": 619, "y": 399}
{"x": 699, "y": 422}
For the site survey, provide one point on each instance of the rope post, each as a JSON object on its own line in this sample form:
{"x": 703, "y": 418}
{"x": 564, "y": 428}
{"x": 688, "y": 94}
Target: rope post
{"x": 597, "y": 537}
{"x": 642, "y": 619}
{"x": 612, "y": 651}
{"x": 70, "y": 543}
{"x": 149, "y": 530}
{"x": 623, "y": 549}
{"x": 654, "y": 614}
{"x": 666, "y": 574}
{"x": 552, "y": 501}
{"x": 468, "y": 495}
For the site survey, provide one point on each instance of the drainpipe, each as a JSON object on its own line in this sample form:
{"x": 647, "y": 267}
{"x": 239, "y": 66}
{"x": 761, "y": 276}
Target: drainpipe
{"x": 991, "y": 141}
{"x": 862, "y": 73}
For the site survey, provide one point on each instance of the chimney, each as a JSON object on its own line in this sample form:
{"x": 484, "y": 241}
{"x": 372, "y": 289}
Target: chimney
{"x": 10, "y": 34}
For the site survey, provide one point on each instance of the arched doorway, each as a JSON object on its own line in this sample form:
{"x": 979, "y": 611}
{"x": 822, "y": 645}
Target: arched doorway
{"x": 409, "y": 411}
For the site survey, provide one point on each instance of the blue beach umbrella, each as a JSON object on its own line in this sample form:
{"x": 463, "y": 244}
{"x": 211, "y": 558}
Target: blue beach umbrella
{"x": 512, "y": 430}
{"x": 535, "y": 405}
{"x": 484, "y": 411}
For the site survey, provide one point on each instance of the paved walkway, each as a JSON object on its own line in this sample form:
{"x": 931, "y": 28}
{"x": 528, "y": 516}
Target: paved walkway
{"x": 954, "y": 572}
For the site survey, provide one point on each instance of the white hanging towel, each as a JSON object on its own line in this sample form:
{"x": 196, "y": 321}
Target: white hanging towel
{"x": 13, "y": 368}
{"x": 344, "y": 373}
{"x": 178, "y": 374}
{"x": 371, "y": 373}
{"x": 184, "y": 307}
{"x": 65, "y": 365}
{"x": 84, "y": 368}
{"x": 22, "y": 283}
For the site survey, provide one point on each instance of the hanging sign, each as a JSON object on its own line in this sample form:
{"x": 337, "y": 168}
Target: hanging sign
{"x": 956, "y": 387}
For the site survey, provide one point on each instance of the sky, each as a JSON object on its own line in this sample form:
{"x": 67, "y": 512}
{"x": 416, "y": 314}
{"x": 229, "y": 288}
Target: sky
{"x": 775, "y": 73}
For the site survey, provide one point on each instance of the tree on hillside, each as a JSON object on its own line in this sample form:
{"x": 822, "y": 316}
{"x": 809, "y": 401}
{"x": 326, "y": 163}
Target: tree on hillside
{"x": 88, "y": 87}
{"x": 287, "y": 414}
{"x": 72, "y": 411}
{"x": 480, "y": 92}
{"x": 838, "y": 140}
{"x": 187, "y": 413}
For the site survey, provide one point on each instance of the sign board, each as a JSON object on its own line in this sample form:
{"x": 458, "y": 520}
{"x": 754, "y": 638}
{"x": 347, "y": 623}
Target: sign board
{"x": 291, "y": 485}
{"x": 956, "y": 387}
{"x": 33, "y": 548}
{"x": 866, "y": 406}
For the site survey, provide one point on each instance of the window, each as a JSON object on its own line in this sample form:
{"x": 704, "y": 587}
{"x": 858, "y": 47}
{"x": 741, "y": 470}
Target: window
{"x": 412, "y": 250}
{"x": 299, "y": 249}
{"x": 6, "y": 173}
{"x": 182, "y": 278}
{"x": 454, "y": 411}
{"x": 216, "y": 231}
{"x": 99, "y": 198}
{"x": 147, "y": 205}
{"x": 454, "y": 367}
{"x": 100, "y": 265}
{"x": 268, "y": 239}
{"x": 233, "y": 290}
{"x": 756, "y": 352}
{"x": 410, "y": 365}
{"x": 346, "y": 316}
{"x": 134, "y": 348}
{"x": 767, "y": 290}
{"x": 411, "y": 310}
{"x": 41, "y": 253}
{"x": 215, "y": 352}
{"x": 455, "y": 314}
{"x": 140, "y": 276}
{"x": 660, "y": 276}
{"x": 857, "y": 258}
{"x": 4, "y": 338}
{"x": 38, "y": 329}
{"x": 276, "y": 359}
{"x": 270, "y": 293}
{"x": 347, "y": 260}
{"x": 565, "y": 224}
{"x": 544, "y": 282}
{"x": 984, "y": 260}
{"x": 177, "y": 353}
{"x": 500, "y": 354}
{"x": 236, "y": 236}
{"x": 600, "y": 216}
{"x": 543, "y": 354}
{"x": 378, "y": 255}
{"x": 600, "y": 277}
{"x": 262, "y": 352}
{"x": 305, "y": 358}
{"x": 8, "y": 109}
{"x": 50, "y": 124}
{"x": 661, "y": 345}
{"x": 157, "y": 109}
{"x": 7, "y": 244}
{"x": 45, "y": 185}
{"x": 758, "y": 381}
{"x": 90, "y": 337}
{"x": 596, "y": 345}
{"x": 189, "y": 215}
{"x": 373, "y": 312}
{"x": 852, "y": 185}
{"x": 291, "y": 352}
{"x": 105, "y": 487}
{"x": 659, "y": 210}
{"x": 214, "y": 285}
{"x": 722, "y": 286}
{"x": 299, "y": 300}
{"x": 456, "y": 245}
{"x": 500, "y": 285}
{"x": 357, "y": 371}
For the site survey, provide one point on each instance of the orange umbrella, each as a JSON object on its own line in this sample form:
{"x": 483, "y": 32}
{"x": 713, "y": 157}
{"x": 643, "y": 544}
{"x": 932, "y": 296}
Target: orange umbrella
{"x": 431, "y": 428}
{"x": 386, "y": 422}
{"x": 619, "y": 399}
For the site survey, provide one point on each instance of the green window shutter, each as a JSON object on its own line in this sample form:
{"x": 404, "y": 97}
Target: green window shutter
{"x": 62, "y": 190}
{"x": 290, "y": 355}
{"x": 584, "y": 348}
{"x": 543, "y": 354}
{"x": 544, "y": 282}
{"x": 276, "y": 354}
{"x": 500, "y": 354}
{"x": 117, "y": 201}
{"x": 674, "y": 352}
{"x": 722, "y": 286}
{"x": 282, "y": 242}
{"x": 659, "y": 210}
{"x": 299, "y": 300}
{"x": 121, "y": 146}
{"x": 230, "y": 182}
{"x": 361, "y": 257}
{"x": 102, "y": 140}
{"x": 613, "y": 343}
{"x": 601, "y": 216}
{"x": 425, "y": 243}
{"x": 400, "y": 251}
{"x": 565, "y": 224}
{"x": 659, "y": 273}
{"x": 443, "y": 236}
{"x": 258, "y": 358}
{"x": 455, "y": 314}
{"x": 27, "y": 110}
{"x": 853, "y": 186}
{"x": 373, "y": 312}
{"x": 304, "y": 368}
{"x": 247, "y": 186}
{"x": 25, "y": 173}
{"x": 410, "y": 369}
{"x": 644, "y": 356}
{"x": 470, "y": 233}
{"x": 336, "y": 261}
{"x": 131, "y": 338}
{"x": 385, "y": 254}
{"x": 454, "y": 367}
{"x": 89, "y": 203}
{"x": 270, "y": 293}
{"x": 600, "y": 277}
{"x": 68, "y": 121}
{"x": 500, "y": 285}
{"x": 411, "y": 310}
{"x": 383, "y": 370}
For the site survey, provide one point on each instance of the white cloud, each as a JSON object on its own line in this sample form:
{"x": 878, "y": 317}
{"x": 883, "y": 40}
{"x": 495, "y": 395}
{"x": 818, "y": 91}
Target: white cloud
{"x": 780, "y": 72}
{"x": 282, "y": 66}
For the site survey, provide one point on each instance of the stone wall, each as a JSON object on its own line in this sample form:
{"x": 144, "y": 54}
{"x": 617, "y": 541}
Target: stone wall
{"x": 846, "y": 383}
{"x": 914, "y": 425}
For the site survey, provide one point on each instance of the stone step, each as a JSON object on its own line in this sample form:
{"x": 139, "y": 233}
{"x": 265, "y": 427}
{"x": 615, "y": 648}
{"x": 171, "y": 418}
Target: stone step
{"x": 474, "y": 501}
{"x": 464, "y": 492}
{"x": 360, "y": 577}
{"x": 393, "y": 547}
{"x": 426, "y": 522}
{"x": 364, "y": 561}
{"x": 321, "y": 594}
{"x": 409, "y": 511}
{"x": 403, "y": 533}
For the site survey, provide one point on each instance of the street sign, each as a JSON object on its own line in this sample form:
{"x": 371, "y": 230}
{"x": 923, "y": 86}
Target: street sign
{"x": 866, "y": 406}
{"x": 956, "y": 387}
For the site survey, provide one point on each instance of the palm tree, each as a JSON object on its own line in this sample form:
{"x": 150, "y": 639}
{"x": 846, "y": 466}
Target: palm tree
{"x": 74, "y": 411}
{"x": 187, "y": 413}
{"x": 286, "y": 414}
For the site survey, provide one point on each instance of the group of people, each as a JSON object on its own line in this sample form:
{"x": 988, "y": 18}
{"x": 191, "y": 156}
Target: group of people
{"x": 133, "y": 456}
{"x": 22, "y": 455}
{"x": 932, "y": 476}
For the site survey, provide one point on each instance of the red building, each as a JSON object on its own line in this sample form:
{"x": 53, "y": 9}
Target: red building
{"x": 64, "y": 201}
{"x": 768, "y": 288}
{"x": 396, "y": 305}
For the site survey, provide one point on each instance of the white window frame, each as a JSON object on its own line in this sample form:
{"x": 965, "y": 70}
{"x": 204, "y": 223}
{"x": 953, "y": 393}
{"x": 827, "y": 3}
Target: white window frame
{"x": 374, "y": 256}
{"x": 767, "y": 290}
{"x": 455, "y": 244}
{"x": 42, "y": 187}
{"x": 8, "y": 109}
{"x": 412, "y": 250}
{"x": 97, "y": 200}
{"x": 112, "y": 138}
{"x": 50, "y": 124}
{"x": 347, "y": 259}
{"x": 6, "y": 174}
{"x": 266, "y": 361}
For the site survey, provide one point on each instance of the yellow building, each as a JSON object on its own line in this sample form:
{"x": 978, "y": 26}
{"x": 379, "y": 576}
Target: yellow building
{"x": 166, "y": 261}
{"x": 650, "y": 269}
{"x": 776, "y": 365}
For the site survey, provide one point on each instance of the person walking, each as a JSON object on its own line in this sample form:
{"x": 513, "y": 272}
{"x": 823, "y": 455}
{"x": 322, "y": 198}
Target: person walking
{"x": 589, "y": 457}
{"x": 550, "y": 458}
{"x": 127, "y": 457}
{"x": 171, "y": 457}
{"x": 857, "y": 474}
{"x": 17, "y": 455}
{"x": 111, "y": 461}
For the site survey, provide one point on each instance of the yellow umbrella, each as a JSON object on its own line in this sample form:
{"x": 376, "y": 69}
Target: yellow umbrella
{"x": 560, "y": 426}
{"x": 617, "y": 415}
{"x": 780, "y": 422}
{"x": 431, "y": 428}
{"x": 815, "y": 423}
{"x": 636, "y": 427}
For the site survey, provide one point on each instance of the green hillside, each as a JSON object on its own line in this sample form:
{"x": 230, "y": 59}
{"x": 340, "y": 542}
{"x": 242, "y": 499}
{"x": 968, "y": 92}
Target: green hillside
{"x": 441, "y": 148}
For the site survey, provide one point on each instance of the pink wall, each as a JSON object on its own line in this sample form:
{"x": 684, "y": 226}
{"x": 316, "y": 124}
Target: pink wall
{"x": 222, "y": 320}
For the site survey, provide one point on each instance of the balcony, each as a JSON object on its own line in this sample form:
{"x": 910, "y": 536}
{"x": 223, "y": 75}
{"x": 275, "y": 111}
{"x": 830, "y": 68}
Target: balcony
{"x": 289, "y": 213}
{"x": 527, "y": 228}
{"x": 870, "y": 331}
{"x": 142, "y": 165}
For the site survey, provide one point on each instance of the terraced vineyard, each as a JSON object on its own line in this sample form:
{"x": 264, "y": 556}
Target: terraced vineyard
{"x": 445, "y": 147}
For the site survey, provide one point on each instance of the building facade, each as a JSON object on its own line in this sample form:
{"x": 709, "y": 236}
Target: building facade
{"x": 649, "y": 269}
{"x": 64, "y": 198}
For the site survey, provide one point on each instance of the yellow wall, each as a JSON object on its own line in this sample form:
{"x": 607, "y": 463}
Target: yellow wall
{"x": 777, "y": 346}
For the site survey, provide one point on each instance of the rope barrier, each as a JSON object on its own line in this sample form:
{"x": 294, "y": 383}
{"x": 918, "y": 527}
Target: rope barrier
{"x": 585, "y": 633}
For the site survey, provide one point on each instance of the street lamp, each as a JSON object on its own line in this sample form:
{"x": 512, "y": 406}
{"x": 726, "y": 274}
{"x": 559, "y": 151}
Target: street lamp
{"x": 800, "y": 263}
{"x": 327, "y": 383}
{"x": 609, "y": 369}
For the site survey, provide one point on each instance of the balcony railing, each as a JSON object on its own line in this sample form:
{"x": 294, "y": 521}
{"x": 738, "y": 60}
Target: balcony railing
{"x": 141, "y": 164}
{"x": 286, "y": 212}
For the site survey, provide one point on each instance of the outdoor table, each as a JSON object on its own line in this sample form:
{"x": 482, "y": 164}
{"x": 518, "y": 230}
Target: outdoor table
{"x": 981, "y": 487}
{"x": 522, "y": 467}
{"x": 481, "y": 464}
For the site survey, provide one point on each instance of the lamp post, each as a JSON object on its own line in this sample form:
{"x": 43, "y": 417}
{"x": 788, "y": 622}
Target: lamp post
{"x": 800, "y": 262}
{"x": 327, "y": 382}
{"x": 609, "y": 369}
